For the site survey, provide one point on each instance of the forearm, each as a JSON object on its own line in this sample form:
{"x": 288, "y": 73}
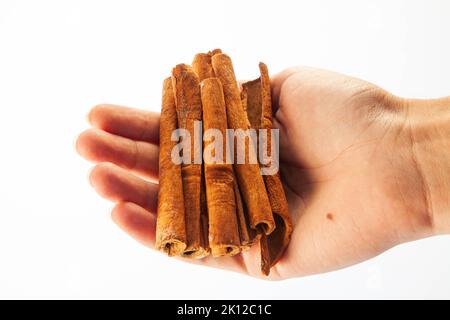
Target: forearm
{"x": 429, "y": 122}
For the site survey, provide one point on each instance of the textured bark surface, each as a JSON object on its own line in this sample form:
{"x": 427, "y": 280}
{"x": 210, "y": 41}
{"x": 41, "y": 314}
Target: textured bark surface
{"x": 202, "y": 64}
{"x": 214, "y": 206}
{"x": 189, "y": 109}
{"x": 170, "y": 226}
{"x": 258, "y": 103}
{"x": 250, "y": 181}
{"x": 223, "y": 223}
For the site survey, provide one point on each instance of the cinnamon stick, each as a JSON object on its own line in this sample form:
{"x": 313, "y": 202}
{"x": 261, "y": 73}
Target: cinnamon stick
{"x": 223, "y": 225}
{"x": 247, "y": 235}
{"x": 217, "y": 207}
{"x": 202, "y": 64}
{"x": 203, "y": 68}
{"x": 170, "y": 225}
{"x": 204, "y": 220}
{"x": 250, "y": 180}
{"x": 259, "y": 110}
{"x": 188, "y": 105}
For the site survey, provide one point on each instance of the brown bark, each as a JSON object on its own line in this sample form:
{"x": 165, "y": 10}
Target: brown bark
{"x": 223, "y": 225}
{"x": 202, "y": 64}
{"x": 259, "y": 110}
{"x": 217, "y": 207}
{"x": 170, "y": 226}
{"x": 247, "y": 235}
{"x": 203, "y": 68}
{"x": 189, "y": 109}
{"x": 251, "y": 183}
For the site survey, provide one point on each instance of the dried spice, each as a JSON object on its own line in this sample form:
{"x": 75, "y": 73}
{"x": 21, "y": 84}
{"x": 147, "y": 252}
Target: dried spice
{"x": 223, "y": 224}
{"x": 170, "y": 226}
{"x": 189, "y": 109}
{"x": 214, "y": 206}
{"x": 257, "y": 99}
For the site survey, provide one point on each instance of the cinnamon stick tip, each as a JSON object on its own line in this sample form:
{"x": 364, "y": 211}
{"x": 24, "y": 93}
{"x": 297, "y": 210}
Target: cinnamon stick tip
{"x": 220, "y": 56}
{"x": 172, "y": 247}
{"x": 215, "y": 51}
{"x": 265, "y": 226}
{"x": 225, "y": 250}
{"x": 181, "y": 68}
{"x": 196, "y": 254}
{"x": 262, "y": 67}
{"x": 200, "y": 56}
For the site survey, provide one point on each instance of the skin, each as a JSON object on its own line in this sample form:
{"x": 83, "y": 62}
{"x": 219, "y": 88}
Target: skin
{"x": 363, "y": 170}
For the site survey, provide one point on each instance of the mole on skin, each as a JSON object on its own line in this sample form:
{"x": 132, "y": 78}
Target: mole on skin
{"x": 329, "y": 216}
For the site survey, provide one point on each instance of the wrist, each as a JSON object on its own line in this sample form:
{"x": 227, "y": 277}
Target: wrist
{"x": 429, "y": 124}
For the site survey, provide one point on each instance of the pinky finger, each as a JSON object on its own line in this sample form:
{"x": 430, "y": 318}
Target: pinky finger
{"x": 137, "y": 222}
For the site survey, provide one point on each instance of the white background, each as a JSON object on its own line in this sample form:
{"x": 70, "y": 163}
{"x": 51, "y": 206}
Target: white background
{"x": 59, "y": 58}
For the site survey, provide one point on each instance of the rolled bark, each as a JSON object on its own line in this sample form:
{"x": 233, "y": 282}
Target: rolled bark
{"x": 170, "y": 226}
{"x": 251, "y": 183}
{"x": 213, "y": 206}
{"x": 203, "y": 68}
{"x": 247, "y": 235}
{"x": 223, "y": 225}
{"x": 202, "y": 64}
{"x": 258, "y": 103}
{"x": 189, "y": 109}
{"x": 204, "y": 220}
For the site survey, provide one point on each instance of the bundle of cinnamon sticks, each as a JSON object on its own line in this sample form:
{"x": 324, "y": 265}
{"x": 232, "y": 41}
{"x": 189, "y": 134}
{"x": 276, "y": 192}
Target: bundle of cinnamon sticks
{"x": 208, "y": 204}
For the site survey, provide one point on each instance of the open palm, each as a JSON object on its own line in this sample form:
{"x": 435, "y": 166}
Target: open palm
{"x": 350, "y": 176}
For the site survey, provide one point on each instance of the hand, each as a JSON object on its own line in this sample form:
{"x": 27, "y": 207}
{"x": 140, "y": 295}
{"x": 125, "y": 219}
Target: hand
{"x": 350, "y": 173}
